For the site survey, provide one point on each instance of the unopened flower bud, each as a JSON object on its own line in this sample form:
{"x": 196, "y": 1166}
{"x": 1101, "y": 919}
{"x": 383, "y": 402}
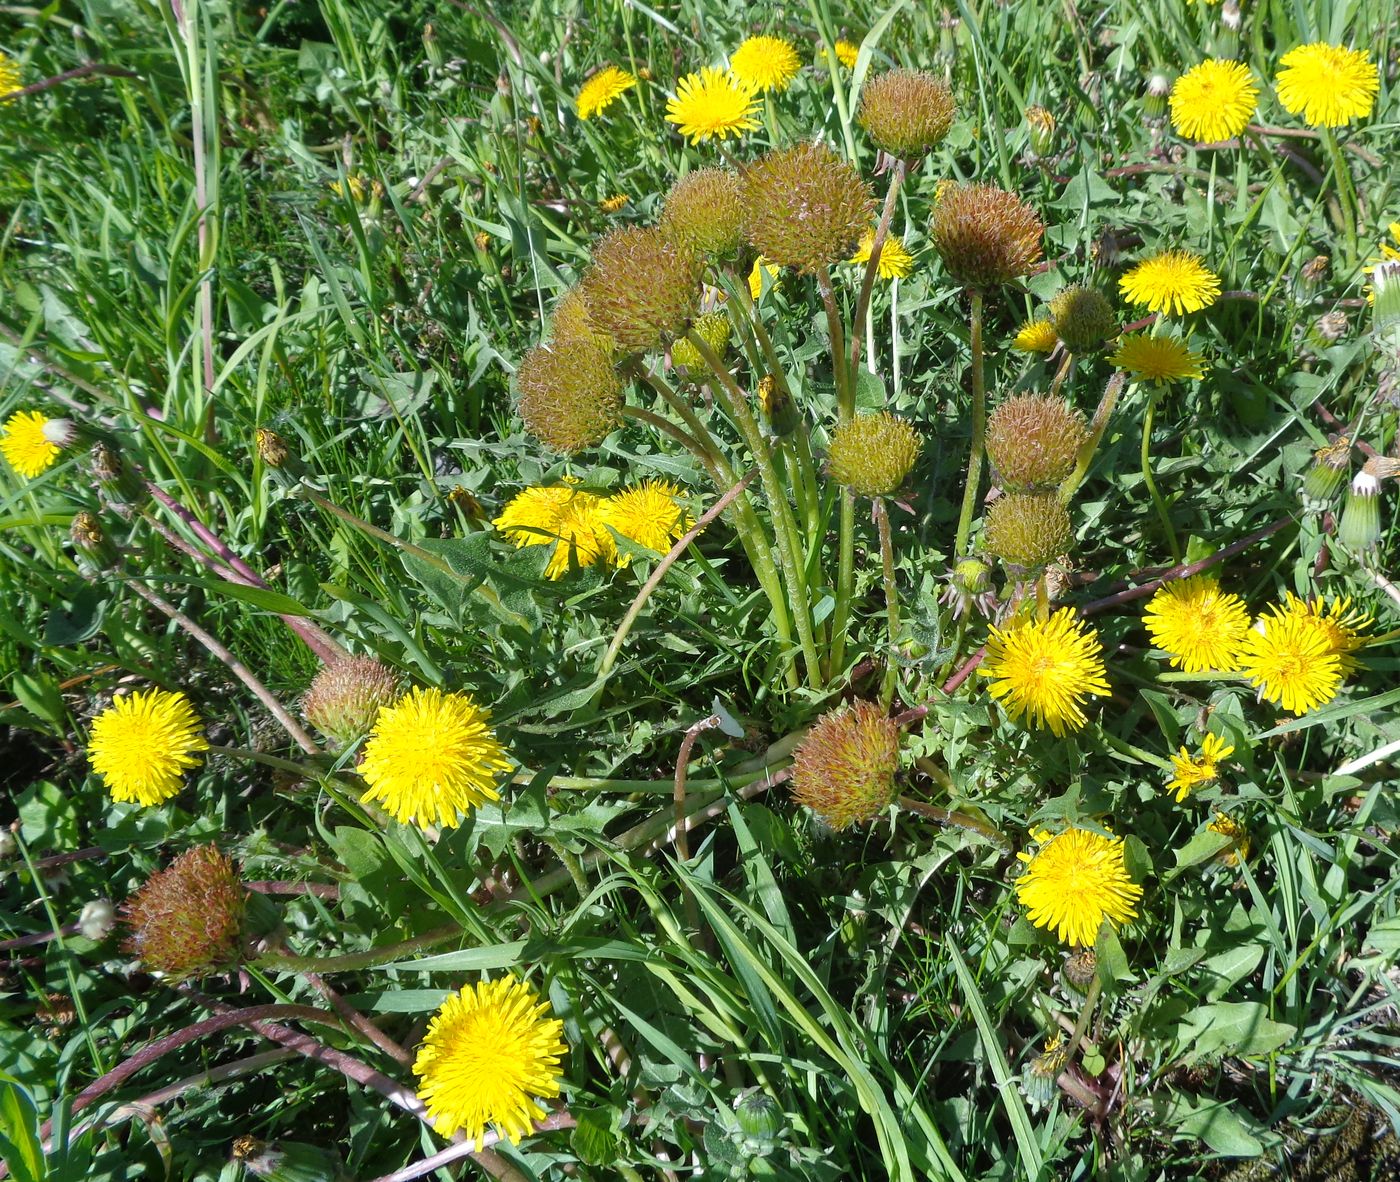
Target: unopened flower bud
{"x": 1329, "y": 469}
{"x": 1314, "y": 271}
{"x": 777, "y": 406}
{"x": 271, "y": 447}
{"x": 346, "y": 695}
{"x": 97, "y": 919}
{"x": 845, "y": 767}
{"x": 1083, "y": 318}
{"x": 188, "y": 921}
{"x": 760, "y": 1119}
{"x": 1040, "y": 123}
{"x": 1159, "y": 89}
{"x": 713, "y": 329}
{"x": 1385, "y": 322}
{"x": 872, "y": 455}
{"x": 90, "y": 540}
{"x": 286, "y": 1161}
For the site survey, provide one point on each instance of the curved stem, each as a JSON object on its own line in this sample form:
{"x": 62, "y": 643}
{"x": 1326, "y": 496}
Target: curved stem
{"x": 872, "y": 265}
{"x": 979, "y": 429}
{"x": 657, "y": 423}
{"x": 1145, "y": 456}
{"x": 1096, "y": 429}
{"x": 882, "y": 522}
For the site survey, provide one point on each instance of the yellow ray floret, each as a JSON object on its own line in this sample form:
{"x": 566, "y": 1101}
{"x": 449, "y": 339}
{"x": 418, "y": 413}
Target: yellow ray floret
{"x": 143, "y": 744}
{"x": 1074, "y": 882}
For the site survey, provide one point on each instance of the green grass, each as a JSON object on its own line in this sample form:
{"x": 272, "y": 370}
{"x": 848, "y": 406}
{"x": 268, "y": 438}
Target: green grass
{"x": 880, "y": 986}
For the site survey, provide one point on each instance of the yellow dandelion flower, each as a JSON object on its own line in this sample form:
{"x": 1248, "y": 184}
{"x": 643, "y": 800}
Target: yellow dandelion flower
{"x": 895, "y": 260}
{"x": 760, "y": 265}
{"x": 1330, "y": 86}
{"x": 649, "y": 514}
{"x": 142, "y": 745}
{"x": 600, "y": 91}
{"x": 431, "y": 758}
{"x": 1227, "y": 826}
{"x": 613, "y": 204}
{"x": 1388, "y": 255}
{"x": 1173, "y": 282}
{"x": 1036, "y": 336}
{"x": 1043, "y": 669}
{"x": 765, "y": 63}
{"x": 1292, "y": 660}
{"x": 490, "y": 1050}
{"x": 10, "y": 78}
{"x": 1339, "y": 621}
{"x": 1213, "y": 101}
{"x": 356, "y": 185}
{"x": 846, "y": 53}
{"x": 561, "y": 516}
{"x": 31, "y": 442}
{"x": 1075, "y": 882}
{"x": 1198, "y": 624}
{"x": 1157, "y": 359}
{"x": 712, "y": 104}
{"x": 1191, "y": 771}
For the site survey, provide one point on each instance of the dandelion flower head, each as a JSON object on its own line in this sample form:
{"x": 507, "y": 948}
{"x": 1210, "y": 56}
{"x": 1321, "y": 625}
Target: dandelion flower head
{"x": 1191, "y": 771}
{"x": 760, "y": 266}
{"x": 765, "y": 63}
{"x": 712, "y": 104}
{"x": 649, "y": 514}
{"x": 1213, "y": 101}
{"x": 895, "y": 260}
{"x": 1036, "y": 336}
{"x": 1339, "y": 621}
{"x": 1329, "y": 85}
{"x": 1198, "y": 624}
{"x": 601, "y": 90}
{"x": 1075, "y": 881}
{"x": 9, "y": 75}
{"x": 1292, "y": 660}
{"x": 1042, "y": 670}
{"x": 143, "y": 744}
{"x": 1227, "y": 826}
{"x": 26, "y": 444}
{"x": 561, "y": 516}
{"x": 490, "y": 1050}
{"x": 1157, "y": 359}
{"x": 846, "y": 53}
{"x": 1389, "y": 254}
{"x": 432, "y": 757}
{"x": 1173, "y": 282}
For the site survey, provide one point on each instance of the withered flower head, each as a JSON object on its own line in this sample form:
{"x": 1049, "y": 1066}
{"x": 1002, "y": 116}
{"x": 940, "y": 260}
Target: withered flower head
{"x": 187, "y": 920}
{"x": 345, "y": 697}
{"x": 1027, "y": 531}
{"x": 1033, "y": 440}
{"x": 805, "y": 207}
{"x": 985, "y": 235}
{"x": 571, "y": 322}
{"x": 570, "y": 394}
{"x": 1083, "y": 318}
{"x": 642, "y": 286}
{"x": 844, "y": 769}
{"x": 872, "y": 454}
{"x": 703, "y": 210}
{"x": 906, "y": 112}
{"x": 271, "y": 447}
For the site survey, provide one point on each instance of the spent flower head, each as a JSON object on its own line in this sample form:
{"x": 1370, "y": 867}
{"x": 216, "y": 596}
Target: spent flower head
{"x": 985, "y": 235}
{"x": 345, "y": 696}
{"x": 714, "y": 329}
{"x": 142, "y": 745}
{"x": 1034, "y": 439}
{"x": 1042, "y": 670}
{"x": 845, "y": 767}
{"x": 187, "y": 921}
{"x": 704, "y": 210}
{"x": 872, "y": 455}
{"x": 570, "y": 396}
{"x": 1027, "y": 531}
{"x": 1083, "y": 318}
{"x": 805, "y": 206}
{"x": 642, "y": 287}
{"x": 906, "y": 112}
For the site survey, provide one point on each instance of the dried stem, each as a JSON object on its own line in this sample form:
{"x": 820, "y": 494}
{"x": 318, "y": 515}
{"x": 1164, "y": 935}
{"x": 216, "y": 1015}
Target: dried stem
{"x": 682, "y": 770}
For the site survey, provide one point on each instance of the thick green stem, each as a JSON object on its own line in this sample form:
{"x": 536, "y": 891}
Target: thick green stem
{"x": 1350, "y": 212}
{"x": 872, "y": 266}
{"x": 1146, "y": 459}
{"x": 1096, "y": 430}
{"x": 882, "y": 522}
{"x": 845, "y": 580}
{"x": 784, "y": 526}
{"x": 979, "y": 430}
{"x": 836, "y": 332}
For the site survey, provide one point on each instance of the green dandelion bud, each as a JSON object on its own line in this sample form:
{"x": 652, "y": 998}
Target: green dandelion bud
{"x": 760, "y": 1120}
{"x": 985, "y": 235}
{"x": 570, "y": 394}
{"x": 1385, "y": 287}
{"x": 1041, "y": 127}
{"x": 642, "y": 287}
{"x": 713, "y": 329}
{"x": 345, "y": 696}
{"x": 1039, "y": 1076}
{"x": 187, "y": 921}
{"x": 969, "y": 588}
{"x": 1083, "y": 318}
{"x": 286, "y": 1161}
{"x": 845, "y": 767}
{"x": 1080, "y": 968}
{"x": 1033, "y": 440}
{"x": 1027, "y": 531}
{"x": 805, "y": 207}
{"x": 1329, "y": 470}
{"x": 777, "y": 407}
{"x": 906, "y": 112}
{"x": 1360, "y": 526}
{"x": 90, "y": 540}
{"x": 704, "y": 210}
{"x": 1157, "y": 94}
{"x": 1314, "y": 271}
{"x": 118, "y": 482}
{"x": 872, "y": 454}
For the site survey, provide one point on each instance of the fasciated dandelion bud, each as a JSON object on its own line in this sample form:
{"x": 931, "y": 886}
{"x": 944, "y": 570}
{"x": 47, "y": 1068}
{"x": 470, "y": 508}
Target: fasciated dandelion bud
{"x": 1033, "y": 440}
{"x": 187, "y": 921}
{"x": 1028, "y": 531}
{"x": 642, "y": 287}
{"x": 872, "y": 455}
{"x": 1083, "y": 318}
{"x": 844, "y": 769}
{"x": 1041, "y": 127}
{"x": 1329, "y": 470}
{"x": 985, "y": 235}
{"x": 703, "y": 210}
{"x": 91, "y": 541}
{"x": 713, "y": 328}
{"x": 570, "y": 394}
{"x": 345, "y": 697}
{"x": 805, "y": 207}
{"x": 906, "y": 112}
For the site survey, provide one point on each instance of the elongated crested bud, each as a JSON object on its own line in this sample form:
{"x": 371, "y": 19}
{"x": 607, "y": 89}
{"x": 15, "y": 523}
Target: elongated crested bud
{"x": 872, "y": 455}
{"x": 1040, "y": 126}
{"x": 643, "y": 287}
{"x": 570, "y": 396}
{"x": 844, "y": 770}
{"x": 1385, "y": 289}
{"x": 985, "y": 235}
{"x": 286, "y": 1161}
{"x": 805, "y": 207}
{"x": 118, "y": 482}
{"x": 777, "y": 406}
{"x": 1083, "y": 318}
{"x": 1028, "y": 531}
{"x": 1033, "y": 440}
{"x": 346, "y": 695}
{"x": 1329, "y": 470}
{"x": 91, "y": 541}
{"x": 906, "y": 112}
{"x": 704, "y": 210}
{"x": 187, "y": 920}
